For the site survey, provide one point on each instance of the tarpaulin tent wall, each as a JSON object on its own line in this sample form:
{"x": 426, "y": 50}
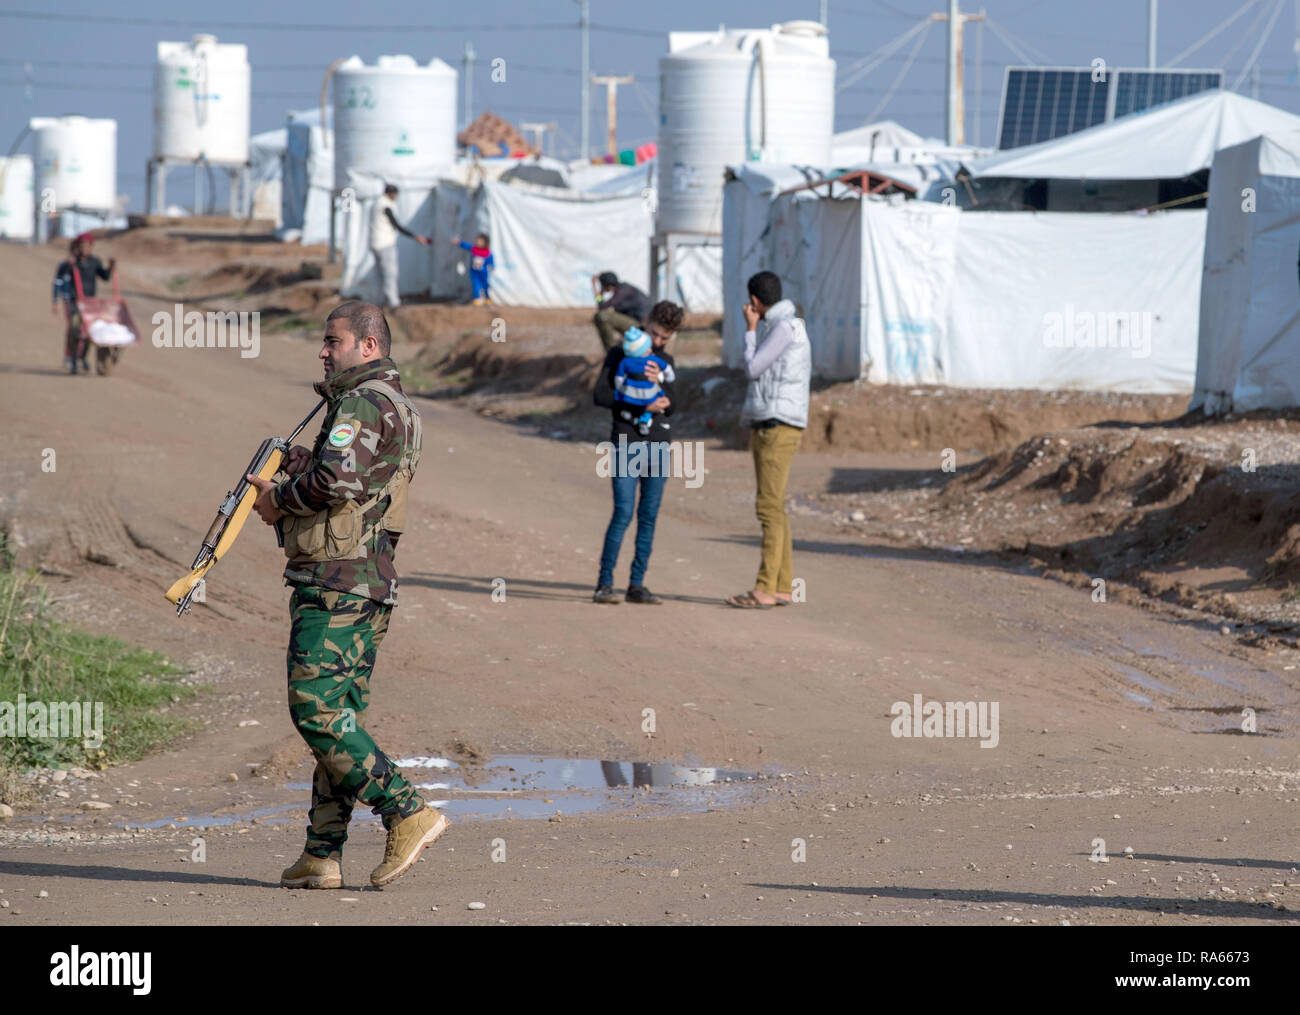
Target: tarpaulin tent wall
{"x": 547, "y": 243}
{"x": 269, "y": 161}
{"x": 698, "y": 268}
{"x": 1249, "y": 342}
{"x": 747, "y": 209}
{"x": 915, "y": 292}
{"x": 308, "y": 182}
{"x": 816, "y": 248}
{"x": 415, "y": 210}
{"x": 1073, "y": 300}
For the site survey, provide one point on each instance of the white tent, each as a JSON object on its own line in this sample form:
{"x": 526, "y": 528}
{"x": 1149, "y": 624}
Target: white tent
{"x": 549, "y": 243}
{"x": 307, "y": 187}
{"x": 546, "y": 242}
{"x": 1249, "y": 342}
{"x": 611, "y": 179}
{"x": 747, "y": 210}
{"x": 909, "y": 292}
{"x": 1165, "y": 142}
{"x": 914, "y": 292}
{"x": 883, "y": 134}
{"x": 269, "y": 163}
{"x": 888, "y": 144}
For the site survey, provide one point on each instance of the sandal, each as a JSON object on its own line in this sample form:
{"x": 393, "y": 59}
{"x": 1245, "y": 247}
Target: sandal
{"x": 746, "y": 601}
{"x": 782, "y": 602}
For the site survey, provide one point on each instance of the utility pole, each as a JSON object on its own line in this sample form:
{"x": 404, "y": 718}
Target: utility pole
{"x": 611, "y": 84}
{"x": 979, "y": 78}
{"x": 1151, "y": 33}
{"x": 539, "y": 134}
{"x": 1254, "y": 81}
{"x": 956, "y": 112}
{"x": 468, "y": 77}
{"x": 584, "y": 23}
{"x": 823, "y": 18}
{"x": 955, "y": 106}
{"x": 1296, "y": 45}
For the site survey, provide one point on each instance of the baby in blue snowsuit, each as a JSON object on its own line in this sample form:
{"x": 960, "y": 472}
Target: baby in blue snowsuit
{"x": 630, "y": 382}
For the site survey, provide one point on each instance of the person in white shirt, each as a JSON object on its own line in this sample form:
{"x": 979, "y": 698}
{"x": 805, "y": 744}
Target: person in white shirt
{"x": 778, "y": 363}
{"x": 384, "y": 228}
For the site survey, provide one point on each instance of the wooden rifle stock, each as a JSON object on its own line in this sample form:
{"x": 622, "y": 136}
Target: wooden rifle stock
{"x": 233, "y": 512}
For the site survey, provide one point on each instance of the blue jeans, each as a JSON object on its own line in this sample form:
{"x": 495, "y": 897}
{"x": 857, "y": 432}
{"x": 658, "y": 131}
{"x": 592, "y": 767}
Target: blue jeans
{"x": 625, "y": 487}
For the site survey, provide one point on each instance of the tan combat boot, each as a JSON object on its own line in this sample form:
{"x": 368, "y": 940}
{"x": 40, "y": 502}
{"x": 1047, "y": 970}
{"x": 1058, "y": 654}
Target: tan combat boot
{"x": 313, "y": 872}
{"x": 406, "y": 841}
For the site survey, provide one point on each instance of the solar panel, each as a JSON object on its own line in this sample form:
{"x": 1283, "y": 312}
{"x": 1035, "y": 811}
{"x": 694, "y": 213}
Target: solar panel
{"x": 1136, "y": 90}
{"x": 1041, "y": 103}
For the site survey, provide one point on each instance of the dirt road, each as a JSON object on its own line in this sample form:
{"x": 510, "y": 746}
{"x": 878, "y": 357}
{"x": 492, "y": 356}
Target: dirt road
{"x": 1107, "y": 722}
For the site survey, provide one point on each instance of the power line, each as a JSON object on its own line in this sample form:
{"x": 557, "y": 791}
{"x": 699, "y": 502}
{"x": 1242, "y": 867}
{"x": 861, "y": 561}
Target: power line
{"x": 901, "y": 74}
{"x": 937, "y": 92}
{"x": 259, "y": 67}
{"x": 142, "y": 89}
{"x": 143, "y": 67}
{"x": 892, "y": 11}
{"x": 1016, "y": 45}
{"x": 280, "y": 26}
{"x": 305, "y": 96}
{"x": 1212, "y": 33}
{"x": 1263, "y": 38}
{"x": 620, "y": 30}
{"x": 920, "y": 59}
{"x": 864, "y": 66}
{"x": 1250, "y": 31}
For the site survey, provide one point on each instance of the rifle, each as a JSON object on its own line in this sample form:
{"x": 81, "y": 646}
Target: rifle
{"x": 234, "y": 512}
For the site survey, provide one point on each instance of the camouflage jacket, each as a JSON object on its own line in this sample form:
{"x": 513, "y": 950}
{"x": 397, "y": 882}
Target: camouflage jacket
{"x": 355, "y": 454}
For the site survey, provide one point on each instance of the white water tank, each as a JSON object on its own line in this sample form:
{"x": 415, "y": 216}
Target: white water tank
{"x": 17, "y": 207}
{"x": 393, "y": 119}
{"x": 738, "y": 95}
{"x": 76, "y": 162}
{"x": 201, "y": 101}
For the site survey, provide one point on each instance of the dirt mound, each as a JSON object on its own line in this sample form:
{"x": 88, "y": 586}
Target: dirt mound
{"x": 1169, "y": 511}
{"x": 1146, "y": 511}
{"x": 868, "y": 417}
{"x": 1096, "y": 473}
{"x": 181, "y": 247}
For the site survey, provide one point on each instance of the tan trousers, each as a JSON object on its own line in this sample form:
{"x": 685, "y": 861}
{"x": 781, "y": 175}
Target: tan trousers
{"x": 774, "y": 450}
{"x": 611, "y": 325}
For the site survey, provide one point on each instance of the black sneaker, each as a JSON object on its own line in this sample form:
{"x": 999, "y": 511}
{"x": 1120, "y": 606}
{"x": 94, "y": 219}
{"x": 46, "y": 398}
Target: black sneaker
{"x": 604, "y": 594}
{"x": 641, "y": 594}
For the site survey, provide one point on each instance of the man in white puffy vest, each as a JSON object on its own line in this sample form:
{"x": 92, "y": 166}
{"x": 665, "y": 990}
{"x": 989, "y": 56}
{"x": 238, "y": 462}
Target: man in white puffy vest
{"x": 778, "y": 361}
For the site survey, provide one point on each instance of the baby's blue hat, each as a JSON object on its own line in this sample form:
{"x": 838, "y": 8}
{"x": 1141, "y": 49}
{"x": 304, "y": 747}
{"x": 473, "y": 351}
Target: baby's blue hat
{"x": 636, "y": 342}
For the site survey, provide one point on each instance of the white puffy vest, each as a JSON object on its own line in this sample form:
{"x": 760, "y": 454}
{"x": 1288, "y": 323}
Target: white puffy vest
{"x": 781, "y": 392}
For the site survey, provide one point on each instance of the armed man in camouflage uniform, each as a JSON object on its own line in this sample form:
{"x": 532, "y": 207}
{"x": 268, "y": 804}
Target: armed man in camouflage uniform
{"x": 341, "y": 511}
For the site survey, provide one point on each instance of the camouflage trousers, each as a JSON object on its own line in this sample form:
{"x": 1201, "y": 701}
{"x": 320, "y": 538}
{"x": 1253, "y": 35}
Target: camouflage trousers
{"x": 333, "y": 639}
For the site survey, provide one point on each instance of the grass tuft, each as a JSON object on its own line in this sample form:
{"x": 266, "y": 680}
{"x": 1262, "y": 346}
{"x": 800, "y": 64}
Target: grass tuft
{"x": 48, "y": 661}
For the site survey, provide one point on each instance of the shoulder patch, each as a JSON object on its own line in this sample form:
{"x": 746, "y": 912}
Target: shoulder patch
{"x": 343, "y": 434}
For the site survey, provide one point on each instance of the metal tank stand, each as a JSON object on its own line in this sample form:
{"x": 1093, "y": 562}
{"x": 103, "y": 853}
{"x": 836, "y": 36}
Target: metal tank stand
{"x": 663, "y": 255}
{"x": 241, "y": 197}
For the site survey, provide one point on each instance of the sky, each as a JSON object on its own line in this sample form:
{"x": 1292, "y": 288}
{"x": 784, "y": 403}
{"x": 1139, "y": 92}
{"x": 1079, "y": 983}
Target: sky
{"x": 55, "y": 60}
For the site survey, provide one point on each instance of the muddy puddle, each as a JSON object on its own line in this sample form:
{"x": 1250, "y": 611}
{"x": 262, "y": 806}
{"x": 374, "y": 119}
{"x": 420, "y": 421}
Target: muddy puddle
{"x": 527, "y": 786}
{"x": 1198, "y": 690}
